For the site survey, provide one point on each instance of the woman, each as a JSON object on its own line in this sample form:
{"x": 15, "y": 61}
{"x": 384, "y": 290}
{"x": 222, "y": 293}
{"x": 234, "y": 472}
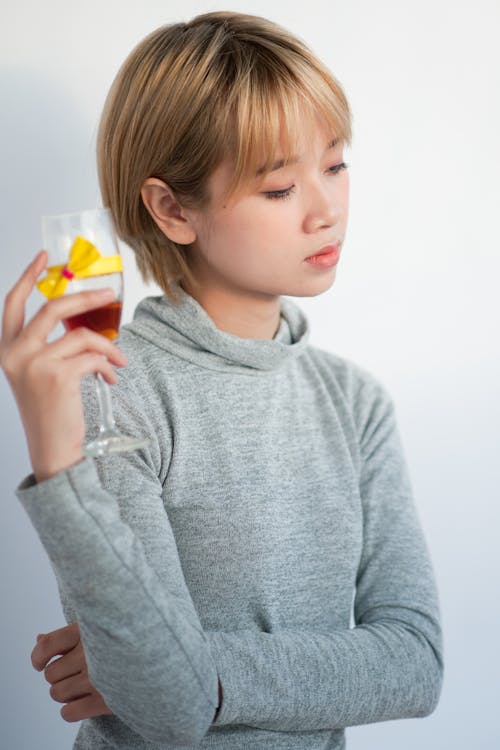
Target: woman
{"x": 258, "y": 576}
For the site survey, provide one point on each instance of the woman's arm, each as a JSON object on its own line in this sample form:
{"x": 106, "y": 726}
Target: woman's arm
{"x": 389, "y": 666}
{"x": 68, "y": 675}
{"x": 145, "y": 649}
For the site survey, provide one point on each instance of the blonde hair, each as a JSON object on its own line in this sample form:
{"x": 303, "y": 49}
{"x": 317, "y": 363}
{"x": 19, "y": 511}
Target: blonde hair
{"x": 190, "y": 95}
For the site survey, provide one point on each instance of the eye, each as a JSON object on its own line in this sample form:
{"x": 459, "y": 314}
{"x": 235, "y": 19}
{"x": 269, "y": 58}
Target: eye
{"x": 287, "y": 192}
{"x": 276, "y": 194}
{"x": 338, "y": 168}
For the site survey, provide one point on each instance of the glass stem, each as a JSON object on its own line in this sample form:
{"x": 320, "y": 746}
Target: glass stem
{"x": 105, "y": 409}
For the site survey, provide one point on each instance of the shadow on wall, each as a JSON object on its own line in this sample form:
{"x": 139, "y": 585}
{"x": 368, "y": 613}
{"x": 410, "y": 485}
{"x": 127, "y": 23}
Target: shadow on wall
{"x": 47, "y": 158}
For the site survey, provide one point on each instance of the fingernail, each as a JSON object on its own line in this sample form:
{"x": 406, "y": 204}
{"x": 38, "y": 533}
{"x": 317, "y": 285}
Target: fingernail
{"x": 106, "y": 293}
{"x": 38, "y": 258}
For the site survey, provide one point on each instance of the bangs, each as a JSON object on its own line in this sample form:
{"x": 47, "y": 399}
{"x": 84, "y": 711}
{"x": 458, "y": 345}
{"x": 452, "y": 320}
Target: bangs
{"x": 267, "y": 117}
{"x": 224, "y": 87}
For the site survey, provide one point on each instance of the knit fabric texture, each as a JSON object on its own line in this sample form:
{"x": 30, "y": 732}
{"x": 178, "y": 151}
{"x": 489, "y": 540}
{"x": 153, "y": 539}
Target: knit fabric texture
{"x": 267, "y": 537}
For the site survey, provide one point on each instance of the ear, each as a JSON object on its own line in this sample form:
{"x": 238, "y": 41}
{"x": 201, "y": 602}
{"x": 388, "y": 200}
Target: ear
{"x": 167, "y": 211}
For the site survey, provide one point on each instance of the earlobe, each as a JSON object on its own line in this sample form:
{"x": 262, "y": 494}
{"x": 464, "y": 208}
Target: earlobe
{"x": 167, "y": 212}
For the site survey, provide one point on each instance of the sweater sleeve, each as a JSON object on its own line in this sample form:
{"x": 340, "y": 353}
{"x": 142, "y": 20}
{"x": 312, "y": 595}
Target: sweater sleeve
{"x": 146, "y": 651}
{"x": 389, "y": 665}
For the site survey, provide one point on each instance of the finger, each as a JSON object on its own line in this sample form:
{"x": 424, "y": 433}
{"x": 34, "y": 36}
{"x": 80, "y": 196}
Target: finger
{"x": 14, "y": 307}
{"x": 81, "y": 340}
{"x": 58, "y": 309}
{"x": 85, "y": 708}
{"x": 90, "y": 364}
{"x": 56, "y": 642}
{"x": 67, "y": 665}
{"x": 76, "y": 686}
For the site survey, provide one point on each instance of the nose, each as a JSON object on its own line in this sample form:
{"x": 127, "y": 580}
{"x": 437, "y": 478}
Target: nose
{"x": 323, "y": 210}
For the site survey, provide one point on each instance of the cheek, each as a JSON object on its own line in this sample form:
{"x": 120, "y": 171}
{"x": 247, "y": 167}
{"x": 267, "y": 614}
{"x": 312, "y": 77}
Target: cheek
{"x": 244, "y": 239}
{"x": 230, "y": 240}
{"x": 346, "y": 187}
{"x": 341, "y": 197}
{"x": 261, "y": 224}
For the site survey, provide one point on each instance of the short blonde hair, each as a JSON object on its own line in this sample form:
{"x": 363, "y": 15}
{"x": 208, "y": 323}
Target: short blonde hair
{"x": 190, "y": 95}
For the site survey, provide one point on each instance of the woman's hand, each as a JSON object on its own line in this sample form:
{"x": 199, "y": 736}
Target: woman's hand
{"x": 68, "y": 675}
{"x": 45, "y": 378}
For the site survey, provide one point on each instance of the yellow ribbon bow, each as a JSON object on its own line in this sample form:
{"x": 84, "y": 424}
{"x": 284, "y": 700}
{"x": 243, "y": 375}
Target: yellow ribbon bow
{"x": 84, "y": 260}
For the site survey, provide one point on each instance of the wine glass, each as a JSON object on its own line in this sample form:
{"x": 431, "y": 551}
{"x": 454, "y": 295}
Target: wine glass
{"x": 84, "y": 254}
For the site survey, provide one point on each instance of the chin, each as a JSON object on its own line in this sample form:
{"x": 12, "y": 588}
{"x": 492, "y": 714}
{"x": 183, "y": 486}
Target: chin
{"x": 313, "y": 287}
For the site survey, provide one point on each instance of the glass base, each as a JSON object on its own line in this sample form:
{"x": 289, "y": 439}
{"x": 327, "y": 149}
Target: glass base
{"x": 113, "y": 442}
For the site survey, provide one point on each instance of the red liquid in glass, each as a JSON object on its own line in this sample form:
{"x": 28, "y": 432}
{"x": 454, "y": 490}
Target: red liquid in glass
{"x": 104, "y": 320}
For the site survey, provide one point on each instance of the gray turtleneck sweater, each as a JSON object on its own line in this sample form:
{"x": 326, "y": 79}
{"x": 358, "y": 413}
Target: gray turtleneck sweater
{"x": 267, "y": 537}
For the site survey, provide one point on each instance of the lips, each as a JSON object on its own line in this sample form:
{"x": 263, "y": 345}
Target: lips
{"x": 327, "y": 249}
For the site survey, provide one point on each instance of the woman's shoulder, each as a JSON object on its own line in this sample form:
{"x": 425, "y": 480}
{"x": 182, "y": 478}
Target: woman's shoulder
{"x": 356, "y": 381}
{"x": 362, "y": 398}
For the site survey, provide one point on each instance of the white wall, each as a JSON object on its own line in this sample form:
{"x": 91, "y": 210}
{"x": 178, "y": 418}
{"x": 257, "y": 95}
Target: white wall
{"x": 413, "y": 299}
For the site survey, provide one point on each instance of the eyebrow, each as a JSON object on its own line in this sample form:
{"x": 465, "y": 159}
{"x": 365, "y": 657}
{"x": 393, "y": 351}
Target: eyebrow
{"x": 281, "y": 163}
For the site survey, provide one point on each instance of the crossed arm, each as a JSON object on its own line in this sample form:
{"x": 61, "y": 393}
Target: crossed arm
{"x": 388, "y": 666}
{"x": 68, "y": 675}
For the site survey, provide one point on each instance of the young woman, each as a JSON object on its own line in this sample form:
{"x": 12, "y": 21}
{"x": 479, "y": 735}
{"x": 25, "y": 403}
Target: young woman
{"x": 258, "y": 576}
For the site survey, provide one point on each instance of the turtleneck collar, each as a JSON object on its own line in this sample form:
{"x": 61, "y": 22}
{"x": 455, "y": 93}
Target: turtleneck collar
{"x": 188, "y": 331}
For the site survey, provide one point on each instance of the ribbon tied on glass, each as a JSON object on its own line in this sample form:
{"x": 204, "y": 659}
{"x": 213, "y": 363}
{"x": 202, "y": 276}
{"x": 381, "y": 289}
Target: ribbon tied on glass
{"x": 85, "y": 261}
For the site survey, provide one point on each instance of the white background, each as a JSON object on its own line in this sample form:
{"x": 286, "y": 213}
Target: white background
{"x": 413, "y": 300}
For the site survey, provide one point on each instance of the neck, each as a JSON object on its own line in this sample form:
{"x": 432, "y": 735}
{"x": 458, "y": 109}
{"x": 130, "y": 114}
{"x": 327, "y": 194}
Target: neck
{"x": 245, "y": 315}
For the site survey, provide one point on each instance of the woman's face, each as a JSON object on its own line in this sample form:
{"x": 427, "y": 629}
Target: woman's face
{"x": 256, "y": 244}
